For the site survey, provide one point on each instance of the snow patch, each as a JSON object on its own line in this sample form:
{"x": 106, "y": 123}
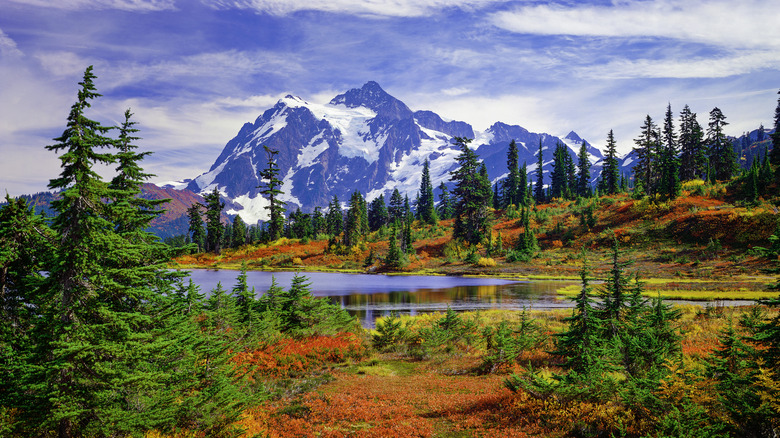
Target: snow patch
{"x": 254, "y": 208}
{"x": 205, "y": 180}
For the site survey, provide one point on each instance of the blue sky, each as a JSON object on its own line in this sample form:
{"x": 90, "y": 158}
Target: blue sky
{"x": 193, "y": 72}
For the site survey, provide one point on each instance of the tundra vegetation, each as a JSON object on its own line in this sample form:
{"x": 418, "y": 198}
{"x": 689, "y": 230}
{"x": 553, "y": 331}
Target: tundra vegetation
{"x": 100, "y": 337}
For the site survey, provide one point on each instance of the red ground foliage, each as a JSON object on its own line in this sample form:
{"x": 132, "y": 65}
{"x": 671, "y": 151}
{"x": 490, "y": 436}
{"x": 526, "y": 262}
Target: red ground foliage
{"x": 291, "y": 357}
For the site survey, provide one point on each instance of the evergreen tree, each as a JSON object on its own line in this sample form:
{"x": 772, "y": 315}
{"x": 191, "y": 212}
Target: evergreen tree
{"x": 583, "y": 174}
{"x": 94, "y": 368}
{"x": 646, "y": 147}
{"x": 272, "y": 191}
{"x": 669, "y": 185}
{"x": 580, "y": 343}
{"x": 559, "y": 182}
{"x": 722, "y": 158}
{"x": 377, "y": 213}
{"x": 130, "y": 212}
{"x": 512, "y": 183}
{"x": 335, "y": 218}
{"x": 523, "y": 192}
{"x": 214, "y": 227}
{"x": 238, "y": 232}
{"x": 610, "y": 172}
{"x": 774, "y": 157}
{"x": 472, "y": 192}
{"x": 197, "y": 232}
{"x": 356, "y": 224}
{"x": 426, "y": 206}
{"x": 396, "y": 207}
{"x": 693, "y": 156}
{"x": 445, "y": 207}
{"x": 539, "y": 187}
{"x": 318, "y": 222}
{"x": 393, "y": 258}
{"x": 526, "y": 243}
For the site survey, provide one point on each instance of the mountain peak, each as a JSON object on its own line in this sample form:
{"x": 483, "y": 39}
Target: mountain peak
{"x": 574, "y": 137}
{"x": 372, "y": 96}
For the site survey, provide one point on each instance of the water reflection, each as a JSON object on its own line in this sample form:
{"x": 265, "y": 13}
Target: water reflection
{"x": 371, "y": 296}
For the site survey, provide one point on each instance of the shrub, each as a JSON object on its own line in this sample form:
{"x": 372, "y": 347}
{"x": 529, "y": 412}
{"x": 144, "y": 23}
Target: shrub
{"x": 486, "y": 262}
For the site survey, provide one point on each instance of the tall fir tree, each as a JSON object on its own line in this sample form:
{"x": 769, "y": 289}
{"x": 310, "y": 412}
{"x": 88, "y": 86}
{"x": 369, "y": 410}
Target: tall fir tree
{"x": 646, "y": 147}
{"x": 395, "y": 208}
{"x": 669, "y": 184}
{"x": 723, "y": 161}
{"x": 512, "y": 183}
{"x": 377, "y": 213}
{"x": 427, "y": 204}
{"x": 774, "y": 157}
{"x": 272, "y": 191}
{"x": 214, "y": 227}
{"x": 611, "y": 172}
{"x": 335, "y": 218}
{"x": 196, "y": 230}
{"x": 693, "y": 156}
{"x": 583, "y": 173}
{"x": 539, "y": 185}
{"x": 445, "y": 208}
{"x": 472, "y": 192}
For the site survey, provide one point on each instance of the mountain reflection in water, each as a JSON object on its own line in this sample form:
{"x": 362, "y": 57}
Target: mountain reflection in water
{"x": 371, "y": 296}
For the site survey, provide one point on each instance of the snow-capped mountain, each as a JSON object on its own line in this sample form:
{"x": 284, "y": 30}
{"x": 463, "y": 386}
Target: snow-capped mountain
{"x": 364, "y": 139}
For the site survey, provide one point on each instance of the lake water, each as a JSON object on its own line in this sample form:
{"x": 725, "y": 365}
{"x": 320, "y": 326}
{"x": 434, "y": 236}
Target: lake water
{"x": 370, "y": 296}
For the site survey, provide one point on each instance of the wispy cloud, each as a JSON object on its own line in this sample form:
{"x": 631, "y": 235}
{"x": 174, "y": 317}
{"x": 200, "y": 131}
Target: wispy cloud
{"x": 729, "y": 64}
{"x": 124, "y": 5}
{"x": 394, "y": 8}
{"x": 723, "y": 23}
{"x": 8, "y": 46}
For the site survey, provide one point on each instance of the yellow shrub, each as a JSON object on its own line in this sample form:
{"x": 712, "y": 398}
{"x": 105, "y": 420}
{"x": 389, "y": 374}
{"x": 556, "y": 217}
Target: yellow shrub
{"x": 486, "y": 262}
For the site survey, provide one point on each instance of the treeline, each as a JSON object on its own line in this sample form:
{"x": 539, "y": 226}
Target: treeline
{"x": 665, "y": 155}
{"x": 99, "y": 338}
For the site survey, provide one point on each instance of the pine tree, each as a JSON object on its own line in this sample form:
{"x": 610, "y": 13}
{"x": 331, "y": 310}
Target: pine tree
{"x": 94, "y": 368}
{"x": 272, "y": 191}
{"x": 214, "y": 227}
{"x": 693, "y": 157}
{"x": 559, "y": 182}
{"x": 396, "y": 207}
{"x": 445, "y": 208}
{"x": 512, "y": 183}
{"x": 238, "y": 232}
{"x": 472, "y": 192}
{"x": 393, "y": 258}
{"x": 377, "y": 213}
{"x": 196, "y": 230}
{"x": 646, "y": 146}
{"x": 774, "y": 157}
{"x": 580, "y": 343}
{"x": 523, "y": 192}
{"x": 427, "y": 205}
{"x": 583, "y": 174}
{"x": 722, "y": 158}
{"x": 669, "y": 185}
{"x": 539, "y": 187}
{"x": 356, "y": 224}
{"x": 335, "y": 218}
{"x": 610, "y": 172}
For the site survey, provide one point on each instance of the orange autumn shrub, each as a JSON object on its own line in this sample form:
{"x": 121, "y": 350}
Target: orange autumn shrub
{"x": 290, "y": 357}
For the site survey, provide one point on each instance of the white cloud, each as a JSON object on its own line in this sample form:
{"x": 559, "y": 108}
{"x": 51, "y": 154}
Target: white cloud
{"x": 385, "y": 8}
{"x": 8, "y": 46}
{"x": 726, "y": 23}
{"x": 125, "y": 5}
{"x": 456, "y": 91}
{"x": 219, "y": 68}
{"x": 731, "y": 64}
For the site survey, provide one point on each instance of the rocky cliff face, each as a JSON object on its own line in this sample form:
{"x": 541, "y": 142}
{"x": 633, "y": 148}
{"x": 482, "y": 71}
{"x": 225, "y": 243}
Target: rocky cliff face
{"x": 364, "y": 139}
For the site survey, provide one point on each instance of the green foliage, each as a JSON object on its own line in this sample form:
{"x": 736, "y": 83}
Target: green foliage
{"x": 504, "y": 343}
{"x": 473, "y": 192}
{"x": 271, "y": 190}
{"x": 391, "y": 334}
